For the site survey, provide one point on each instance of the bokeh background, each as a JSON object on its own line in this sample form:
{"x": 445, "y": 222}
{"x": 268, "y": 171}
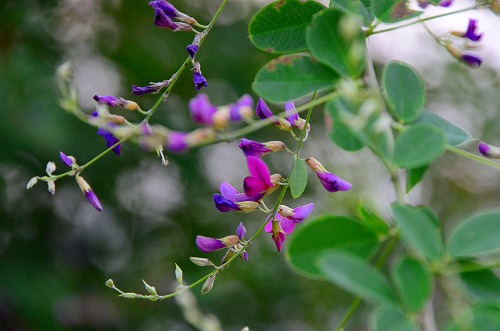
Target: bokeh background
{"x": 56, "y": 252}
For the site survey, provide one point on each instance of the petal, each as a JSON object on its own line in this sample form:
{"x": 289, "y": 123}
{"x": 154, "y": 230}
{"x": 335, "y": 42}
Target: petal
{"x": 333, "y": 183}
{"x": 262, "y": 110}
{"x": 254, "y": 186}
{"x": 291, "y": 113}
{"x": 228, "y": 191}
{"x": 93, "y": 200}
{"x": 269, "y": 227}
{"x": 242, "y": 108}
{"x": 207, "y": 245}
{"x": 300, "y": 213}
{"x": 177, "y": 142}
{"x": 287, "y": 225}
{"x": 66, "y": 159}
{"x": 224, "y": 205}
{"x": 471, "y": 60}
{"x": 259, "y": 169}
{"x": 201, "y": 109}
{"x": 278, "y": 240}
{"x": 253, "y": 148}
{"x": 241, "y": 231}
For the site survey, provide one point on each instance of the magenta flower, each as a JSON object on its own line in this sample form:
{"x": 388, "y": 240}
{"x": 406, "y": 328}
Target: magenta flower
{"x": 202, "y": 110}
{"x": 284, "y": 225}
{"x": 110, "y": 139}
{"x": 262, "y": 111}
{"x": 259, "y": 181}
{"x": 89, "y": 194}
{"x": 232, "y": 242}
{"x": 257, "y": 149}
{"x": 293, "y": 117}
{"x": 331, "y": 182}
{"x": 177, "y": 141}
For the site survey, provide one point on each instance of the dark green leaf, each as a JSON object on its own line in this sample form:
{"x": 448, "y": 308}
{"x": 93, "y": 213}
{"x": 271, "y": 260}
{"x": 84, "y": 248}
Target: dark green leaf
{"x": 477, "y": 236}
{"x": 391, "y": 11}
{"x": 405, "y": 91}
{"x": 339, "y": 133}
{"x": 414, "y": 176}
{"x": 372, "y": 219}
{"x": 455, "y": 135}
{"x": 355, "y": 7}
{"x": 280, "y": 27}
{"x": 483, "y": 318}
{"x": 418, "y": 231}
{"x": 328, "y": 233}
{"x": 298, "y": 178}
{"x": 419, "y": 145}
{"x": 393, "y": 320}
{"x": 414, "y": 283}
{"x": 292, "y": 76}
{"x": 482, "y": 284}
{"x": 357, "y": 276}
{"x": 336, "y": 39}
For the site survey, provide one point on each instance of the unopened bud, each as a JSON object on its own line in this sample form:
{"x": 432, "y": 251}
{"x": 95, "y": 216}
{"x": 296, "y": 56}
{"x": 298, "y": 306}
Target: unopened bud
{"x": 131, "y": 105}
{"x": 50, "y": 168}
{"x": 283, "y": 124}
{"x": 130, "y": 295}
{"x": 32, "y": 182}
{"x": 221, "y": 118}
{"x": 285, "y": 211}
{"x": 51, "y": 186}
{"x": 315, "y": 165}
{"x": 109, "y": 283}
{"x": 178, "y": 274}
{"x": 116, "y": 119}
{"x": 230, "y": 241}
{"x": 248, "y": 206}
{"x": 201, "y": 262}
{"x": 208, "y": 285}
{"x": 490, "y": 151}
{"x": 151, "y": 290}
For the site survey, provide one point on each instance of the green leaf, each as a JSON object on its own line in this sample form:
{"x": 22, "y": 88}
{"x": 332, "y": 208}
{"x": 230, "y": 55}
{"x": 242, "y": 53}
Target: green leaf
{"x": 280, "y": 27}
{"x": 339, "y": 133}
{"x": 393, "y": 320}
{"x": 483, "y": 318}
{"x": 328, "y": 233}
{"x": 419, "y": 231}
{"x": 455, "y": 135}
{"x": 476, "y": 237}
{"x": 414, "y": 283}
{"x": 405, "y": 91}
{"x": 391, "y": 11}
{"x": 355, "y": 7}
{"x": 292, "y": 76}
{"x": 483, "y": 285}
{"x": 336, "y": 39}
{"x": 357, "y": 276}
{"x": 419, "y": 145}
{"x": 414, "y": 176}
{"x": 298, "y": 178}
{"x": 372, "y": 219}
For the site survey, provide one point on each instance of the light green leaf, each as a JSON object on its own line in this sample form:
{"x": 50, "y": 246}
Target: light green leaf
{"x": 328, "y": 233}
{"x": 393, "y": 320}
{"x": 419, "y": 145}
{"x": 355, "y": 7}
{"x": 357, "y": 276}
{"x": 372, "y": 219}
{"x": 290, "y": 77}
{"x": 419, "y": 231}
{"x": 336, "y": 40}
{"x": 280, "y": 27}
{"x": 477, "y": 236}
{"x": 483, "y": 318}
{"x": 298, "y": 178}
{"x": 339, "y": 133}
{"x": 405, "y": 91}
{"x": 455, "y": 135}
{"x": 414, "y": 283}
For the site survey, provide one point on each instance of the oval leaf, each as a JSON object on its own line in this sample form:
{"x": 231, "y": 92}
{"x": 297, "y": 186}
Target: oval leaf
{"x": 354, "y": 7}
{"x": 483, "y": 285}
{"x": 292, "y": 76}
{"x": 419, "y": 145}
{"x": 414, "y": 176}
{"x": 454, "y": 134}
{"x": 414, "y": 283}
{"x": 393, "y": 320}
{"x": 280, "y": 27}
{"x": 298, "y": 178}
{"x": 357, "y": 276}
{"x": 405, "y": 91}
{"x": 336, "y": 39}
{"x": 419, "y": 231}
{"x": 477, "y": 236}
{"x": 372, "y": 219}
{"x": 328, "y": 233}
{"x": 339, "y": 133}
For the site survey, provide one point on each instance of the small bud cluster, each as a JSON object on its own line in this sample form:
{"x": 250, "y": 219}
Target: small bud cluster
{"x": 459, "y": 43}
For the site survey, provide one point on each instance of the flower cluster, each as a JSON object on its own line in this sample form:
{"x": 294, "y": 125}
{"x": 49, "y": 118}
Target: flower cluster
{"x": 459, "y": 43}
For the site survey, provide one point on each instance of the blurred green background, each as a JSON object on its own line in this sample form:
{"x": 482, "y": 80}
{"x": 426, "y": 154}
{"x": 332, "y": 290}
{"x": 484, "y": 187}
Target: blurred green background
{"x": 56, "y": 252}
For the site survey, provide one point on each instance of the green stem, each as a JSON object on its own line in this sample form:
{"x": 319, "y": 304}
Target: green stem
{"x": 308, "y": 118}
{"x": 473, "y": 157}
{"x": 420, "y": 20}
{"x": 352, "y": 309}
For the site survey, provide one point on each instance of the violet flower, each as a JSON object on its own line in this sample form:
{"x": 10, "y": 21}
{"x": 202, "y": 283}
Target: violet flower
{"x": 331, "y": 182}
{"x": 224, "y": 205}
{"x": 177, "y": 141}
{"x": 202, "y": 110}
{"x": 242, "y": 109}
{"x": 262, "y": 111}
{"x": 424, "y": 3}
{"x": 116, "y": 102}
{"x": 471, "y": 31}
{"x": 489, "y": 151}
{"x": 151, "y": 88}
{"x": 89, "y": 194}
{"x": 293, "y": 117}
{"x": 257, "y": 149}
{"x": 68, "y": 160}
{"x": 232, "y": 242}
{"x": 282, "y": 225}
{"x": 191, "y": 50}
{"x": 199, "y": 80}
{"x": 472, "y": 61}
{"x": 165, "y": 13}
{"x": 110, "y": 139}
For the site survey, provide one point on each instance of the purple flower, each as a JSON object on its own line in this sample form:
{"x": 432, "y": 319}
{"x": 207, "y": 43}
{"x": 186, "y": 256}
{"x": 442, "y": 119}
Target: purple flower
{"x": 151, "y": 88}
{"x": 257, "y": 149}
{"x": 471, "y": 60}
{"x": 199, "y": 80}
{"x": 242, "y": 109}
{"x": 191, "y": 50}
{"x": 177, "y": 141}
{"x": 232, "y": 194}
{"x": 331, "y": 182}
{"x": 284, "y": 225}
{"x": 224, "y": 205}
{"x": 68, "y": 160}
{"x": 116, "y": 102}
{"x": 232, "y": 242}
{"x": 165, "y": 13}
{"x": 259, "y": 181}
{"x": 471, "y": 31}
{"x": 489, "y": 150}
{"x": 202, "y": 110}
{"x": 110, "y": 139}
{"x": 262, "y": 111}
{"x": 89, "y": 194}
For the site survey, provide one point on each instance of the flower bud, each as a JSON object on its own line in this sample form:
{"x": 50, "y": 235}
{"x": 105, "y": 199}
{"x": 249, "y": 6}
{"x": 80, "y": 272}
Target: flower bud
{"x": 129, "y": 295}
{"x": 208, "y": 285}
{"x": 32, "y": 182}
{"x": 151, "y": 290}
{"x": 109, "y": 283}
{"x": 68, "y": 160}
{"x": 230, "y": 241}
{"x": 201, "y": 262}
{"x": 116, "y": 119}
{"x": 51, "y": 186}
{"x": 50, "y": 168}
{"x": 285, "y": 211}
{"x": 221, "y": 118}
{"x": 489, "y": 151}
{"x": 178, "y": 274}
{"x": 91, "y": 197}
